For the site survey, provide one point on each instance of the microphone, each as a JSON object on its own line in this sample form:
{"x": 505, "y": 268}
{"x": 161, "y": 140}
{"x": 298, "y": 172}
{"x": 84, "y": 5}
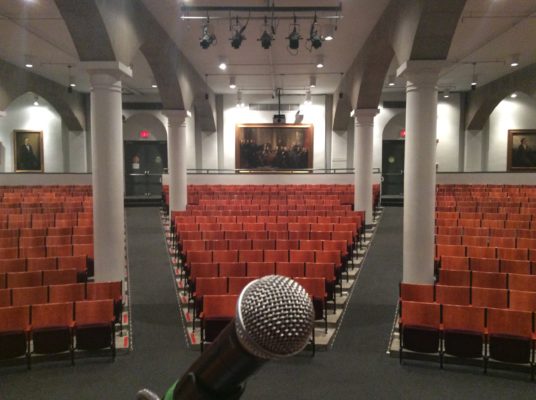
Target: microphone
{"x": 274, "y": 319}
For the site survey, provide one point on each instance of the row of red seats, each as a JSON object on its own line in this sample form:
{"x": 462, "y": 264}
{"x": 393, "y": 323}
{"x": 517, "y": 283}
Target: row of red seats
{"x": 505, "y": 253}
{"x": 259, "y": 219}
{"x": 352, "y": 224}
{"x": 484, "y": 264}
{"x": 38, "y": 278}
{"x": 495, "y": 224}
{"x": 489, "y": 241}
{"x": 467, "y": 332}
{"x": 85, "y": 249}
{"x": 43, "y": 241}
{"x": 267, "y": 244}
{"x": 50, "y": 231}
{"x": 482, "y": 215}
{"x": 56, "y": 328}
{"x": 496, "y": 280}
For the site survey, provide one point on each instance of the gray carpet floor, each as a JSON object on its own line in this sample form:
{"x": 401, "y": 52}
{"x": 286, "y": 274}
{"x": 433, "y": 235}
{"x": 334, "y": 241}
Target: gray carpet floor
{"x": 357, "y": 367}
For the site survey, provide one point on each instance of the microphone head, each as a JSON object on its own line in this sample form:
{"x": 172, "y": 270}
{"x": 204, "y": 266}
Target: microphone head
{"x": 274, "y": 317}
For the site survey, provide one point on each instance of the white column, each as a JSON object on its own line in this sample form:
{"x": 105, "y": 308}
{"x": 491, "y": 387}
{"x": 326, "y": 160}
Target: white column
{"x": 107, "y": 177}
{"x": 419, "y": 169}
{"x": 364, "y": 133}
{"x": 177, "y": 159}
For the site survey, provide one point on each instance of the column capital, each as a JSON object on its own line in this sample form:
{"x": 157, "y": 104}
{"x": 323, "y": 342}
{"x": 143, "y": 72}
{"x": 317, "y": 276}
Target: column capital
{"x": 365, "y": 116}
{"x": 112, "y": 68}
{"x": 175, "y": 117}
{"x": 421, "y": 72}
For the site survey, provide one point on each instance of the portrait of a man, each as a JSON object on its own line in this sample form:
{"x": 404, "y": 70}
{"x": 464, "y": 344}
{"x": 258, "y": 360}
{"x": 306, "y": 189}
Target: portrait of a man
{"x": 28, "y": 148}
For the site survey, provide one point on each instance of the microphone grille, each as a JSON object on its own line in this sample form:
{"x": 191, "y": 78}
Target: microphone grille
{"x": 275, "y": 317}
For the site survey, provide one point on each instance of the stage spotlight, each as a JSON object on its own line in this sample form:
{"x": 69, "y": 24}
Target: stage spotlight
{"x": 267, "y": 37}
{"x": 314, "y": 37}
{"x": 238, "y": 35}
{"x": 294, "y": 37}
{"x": 207, "y": 38}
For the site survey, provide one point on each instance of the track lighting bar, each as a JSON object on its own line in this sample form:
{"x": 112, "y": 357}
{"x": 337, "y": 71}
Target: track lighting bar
{"x": 260, "y": 9}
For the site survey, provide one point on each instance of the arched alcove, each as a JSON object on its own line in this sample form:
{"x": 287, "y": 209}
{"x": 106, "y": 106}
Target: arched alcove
{"x": 144, "y": 121}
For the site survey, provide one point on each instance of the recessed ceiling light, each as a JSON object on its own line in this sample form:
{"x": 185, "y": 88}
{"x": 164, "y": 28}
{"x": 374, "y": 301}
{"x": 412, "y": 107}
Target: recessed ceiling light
{"x": 514, "y": 62}
{"x": 154, "y": 85}
{"x": 320, "y": 62}
{"x": 28, "y": 65}
{"x": 222, "y": 63}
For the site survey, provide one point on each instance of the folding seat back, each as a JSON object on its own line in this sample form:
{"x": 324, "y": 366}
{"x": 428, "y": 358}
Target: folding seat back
{"x": 41, "y": 263}
{"x": 460, "y": 295}
{"x": 82, "y": 250}
{"x": 5, "y": 297}
{"x": 526, "y": 243}
{"x": 290, "y": 269}
{"x": 299, "y": 235}
{"x": 287, "y": 244}
{"x": 199, "y": 256}
{"x": 277, "y": 226}
{"x": 218, "y": 311}
{"x": 512, "y": 254}
{"x": 9, "y": 233}
{"x": 24, "y": 279}
{"x": 449, "y": 230}
{"x": 329, "y": 256}
{"x": 522, "y": 301}
{"x": 481, "y": 252}
{"x": 240, "y": 244}
{"x": 469, "y": 223}
{"x": 455, "y": 262}
{"x": 495, "y": 280}
{"x": 229, "y": 269}
{"x": 208, "y": 226}
{"x": 498, "y": 241}
{"x": 493, "y": 223}
{"x": 217, "y": 244}
{"x": 502, "y": 232}
{"x": 274, "y": 256}
{"x": 256, "y": 226}
{"x": 454, "y": 277}
{"x": 231, "y": 227}
{"x": 224, "y": 256}
{"x": 489, "y": 297}
{"x": 29, "y": 295}
{"x": 532, "y": 255}
{"x": 58, "y": 231}
{"x": 484, "y": 264}
{"x": 419, "y": 327}
{"x": 450, "y": 250}
{"x": 515, "y": 266}
{"x": 9, "y": 252}
{"x": 322, "y": 270}
{"x": 104, "y": 290}
{"x": 320, "y": 235}
{"x": 230, "y": 235}
{"x": 32, "y": 252}
{"x": 448, "y": 239}
{"x": 463, "y": 330}
{"x": 94, "y": 321}
{"x": 416, "y": 292}
{"x": 516, "y": 224}
{"x": 248, "y": 256}
{"x": 302, "y": 256}
{"x": 79, "y": 263}
{"x": 52, "y": 326}
{"x": 59, "y": 250}
{"x": 510, "y": 336}
{"x": 522, "y": 282}
{"x": 263, "y": 244}
{"x": 238, "y": 283}
{"x": 481, "y": 241}
{"x": 59, "y": 277}
{"x": 66, "y": 293}
{"x": 14, "y": 330}
{"x": 299, "y": 227}
{"x": 475, "y": 231}
{"x": 82, "y": 239}
{"x": 9, "y": 242}
{"x": 260, "y": 269}
{"x": 58, "y": 240}
{"x": 311, "y": 245}
{"x": 12, "y": 265}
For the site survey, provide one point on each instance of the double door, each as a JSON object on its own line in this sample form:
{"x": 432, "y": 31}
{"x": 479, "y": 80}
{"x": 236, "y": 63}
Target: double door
{"x": 393, "y": 168}
{"x": 144, "y": 164}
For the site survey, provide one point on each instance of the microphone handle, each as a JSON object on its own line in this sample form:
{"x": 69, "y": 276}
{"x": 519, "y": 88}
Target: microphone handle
{"x": 220, "y": 372}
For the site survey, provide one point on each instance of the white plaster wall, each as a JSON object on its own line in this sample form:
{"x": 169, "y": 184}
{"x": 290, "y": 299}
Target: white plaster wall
{"x": 518, "y": 113}
{"x": 152, "y": 121}
{"x": 473, "y": 151}
{"x": 209, "y": 144}
{"x": 22, "y": 114}
{"x": 448, "y": 133}
{"x": 313, "y": 114}
{"x": 77, "y": 152}
{"x": 190, "y": 141}
{"x": 339, "y": 149}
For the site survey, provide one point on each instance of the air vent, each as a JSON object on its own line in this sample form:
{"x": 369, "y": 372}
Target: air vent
{"x": 273, "y": 107}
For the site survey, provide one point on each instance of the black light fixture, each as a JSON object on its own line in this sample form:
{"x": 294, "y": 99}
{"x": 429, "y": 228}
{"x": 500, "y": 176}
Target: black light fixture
{"x": 207, "y": 38}
{"x": 267, "y": 37}
{"x": 294, "y": 37}
{"x": 314, "y": 37}
{"x": 238, "y": 35}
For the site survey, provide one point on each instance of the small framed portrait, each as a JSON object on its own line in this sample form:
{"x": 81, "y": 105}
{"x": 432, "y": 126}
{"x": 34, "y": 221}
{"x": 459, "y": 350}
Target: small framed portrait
{"x": 521, "y": 150}
{"x": 28, "y": 149}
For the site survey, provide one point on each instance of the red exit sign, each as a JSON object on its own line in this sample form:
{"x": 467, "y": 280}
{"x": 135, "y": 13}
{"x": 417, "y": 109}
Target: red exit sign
{"x": 144, "y": 134}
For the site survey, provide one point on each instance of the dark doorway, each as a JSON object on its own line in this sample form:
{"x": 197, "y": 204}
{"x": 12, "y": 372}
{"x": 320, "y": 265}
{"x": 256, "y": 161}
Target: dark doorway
{"x": 393, "y": 169}
{"x": 144, "y": 165}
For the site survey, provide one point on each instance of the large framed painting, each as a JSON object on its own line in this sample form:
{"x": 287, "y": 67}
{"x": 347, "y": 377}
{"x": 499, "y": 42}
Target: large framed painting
{"x": 28, "y": 151}
{"x": 521, "y": 150}
{"x": 268, "y": 147}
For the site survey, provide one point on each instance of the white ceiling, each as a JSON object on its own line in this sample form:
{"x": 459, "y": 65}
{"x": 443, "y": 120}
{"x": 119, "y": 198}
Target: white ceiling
{"x": 489, "y": 33}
